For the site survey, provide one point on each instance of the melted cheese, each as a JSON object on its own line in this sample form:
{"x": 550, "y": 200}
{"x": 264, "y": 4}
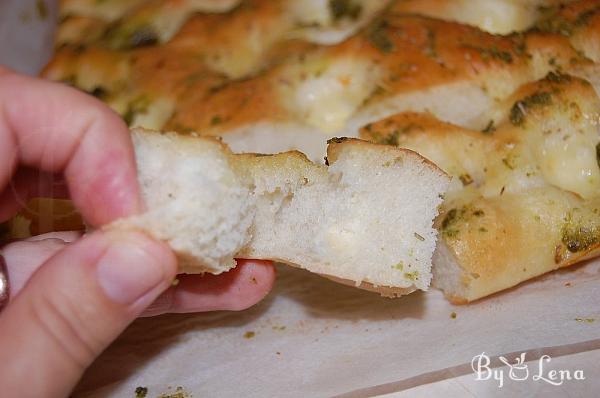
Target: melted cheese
{"x": 325, "y": 93}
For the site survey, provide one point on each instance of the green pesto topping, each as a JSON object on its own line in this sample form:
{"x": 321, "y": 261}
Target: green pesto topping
{"x": 138, "y": 105}
{"x": 131, "y": 36}
{"x": 493, "y": 53}
{"x": 378, "y": 37}
{"x": 450, "y": 227}
{"x": 141, "y": 392}
{"x": 99, "y": 92}
{"x": 399, "y": 266}
{"x": 143, "y": 36}
{"x": 556, "y": 24}
{"x": 336, "y": 140}
{"x": 419, "y": 237}
{"x": 520, "y": 46}
{"x": 584, "y": 17}
{"x": 395, "y": 161}
{"x": 391, "y": 139}
{"x": 564, "y": 26}
{"x": 490, "y": 128}
{"x": 413, "y": 276}
{"x": 586, "y": 320}
{"x": 579, "y": 237}
{"x": 249, "y": 335}
{"x": 449, "y": 222}
{"x": 215, "y": 120}
{"x": 508, "y": 162}
{"x": 430, "y": 48}
{"x": 453, "y": 315}
{"x": 557, "y": 77}
{"x": 519, "y": 109}
{"x": 344, "y": 9}
{"x": 394, "y": 137}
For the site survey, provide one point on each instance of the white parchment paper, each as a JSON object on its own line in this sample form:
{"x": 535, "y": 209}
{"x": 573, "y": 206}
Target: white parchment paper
{"x": 312, "y": 337}
{"x": 27, "y": 33}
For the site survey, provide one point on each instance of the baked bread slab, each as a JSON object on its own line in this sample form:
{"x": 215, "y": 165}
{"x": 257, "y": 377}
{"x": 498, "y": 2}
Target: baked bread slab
{"x": 261, "y": 76}
{"x": 526, "y": 191}
{"x": 366, "y": 219}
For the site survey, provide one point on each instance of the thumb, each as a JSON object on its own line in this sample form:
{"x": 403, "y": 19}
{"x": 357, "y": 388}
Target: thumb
{"x": 74, "y": 306}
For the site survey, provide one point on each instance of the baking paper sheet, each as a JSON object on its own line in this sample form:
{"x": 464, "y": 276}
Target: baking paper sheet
{"x": 313, "y": 338}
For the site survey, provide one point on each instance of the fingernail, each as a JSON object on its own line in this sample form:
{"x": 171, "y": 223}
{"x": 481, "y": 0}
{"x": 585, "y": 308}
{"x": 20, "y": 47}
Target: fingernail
{"x": 134, "y": 266}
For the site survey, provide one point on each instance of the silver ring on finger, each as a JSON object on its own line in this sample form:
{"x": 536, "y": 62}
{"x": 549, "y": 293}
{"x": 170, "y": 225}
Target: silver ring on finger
{"x": 4, "y": 284}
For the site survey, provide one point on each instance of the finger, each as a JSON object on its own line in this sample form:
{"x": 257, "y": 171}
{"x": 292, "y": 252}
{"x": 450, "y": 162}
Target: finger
{"x": 24, "y": 257}
{"x": 29, "y": 183}
{"x": 237, "y": 289}
{"x": 55, "y": 128}
{"x": 75, "y": 305}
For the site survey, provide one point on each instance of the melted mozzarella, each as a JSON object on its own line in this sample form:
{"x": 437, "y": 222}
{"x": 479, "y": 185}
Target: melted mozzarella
{"x": 325, "y": 93}
{"x": 567, "y": 158}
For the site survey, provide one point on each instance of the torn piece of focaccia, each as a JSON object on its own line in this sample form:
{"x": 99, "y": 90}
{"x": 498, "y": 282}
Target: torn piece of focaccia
{"x": 525, "y": 198}
{"x": 334, "y": 220}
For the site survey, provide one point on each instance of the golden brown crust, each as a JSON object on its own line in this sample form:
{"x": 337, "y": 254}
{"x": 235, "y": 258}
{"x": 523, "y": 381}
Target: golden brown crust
{"x": 579, "y": 21}
{"x": 409, "y": 54}
{"x": 337, "y": 145}
{"x": 506, "y": 220}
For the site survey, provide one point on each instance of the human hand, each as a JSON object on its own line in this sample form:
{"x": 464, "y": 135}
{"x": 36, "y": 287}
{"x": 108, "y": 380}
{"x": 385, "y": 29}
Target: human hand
{"x": 71, "y": 296}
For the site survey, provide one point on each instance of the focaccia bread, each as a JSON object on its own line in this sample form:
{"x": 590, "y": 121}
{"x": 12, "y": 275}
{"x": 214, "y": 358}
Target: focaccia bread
{"x": 239, "y": 75}
{"x": 525, "y": 198}
{"x": 365, "y": 219}
{"x": 269, "y": 76}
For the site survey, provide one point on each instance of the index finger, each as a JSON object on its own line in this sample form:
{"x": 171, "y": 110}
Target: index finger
{"x": 56, "y": 128}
